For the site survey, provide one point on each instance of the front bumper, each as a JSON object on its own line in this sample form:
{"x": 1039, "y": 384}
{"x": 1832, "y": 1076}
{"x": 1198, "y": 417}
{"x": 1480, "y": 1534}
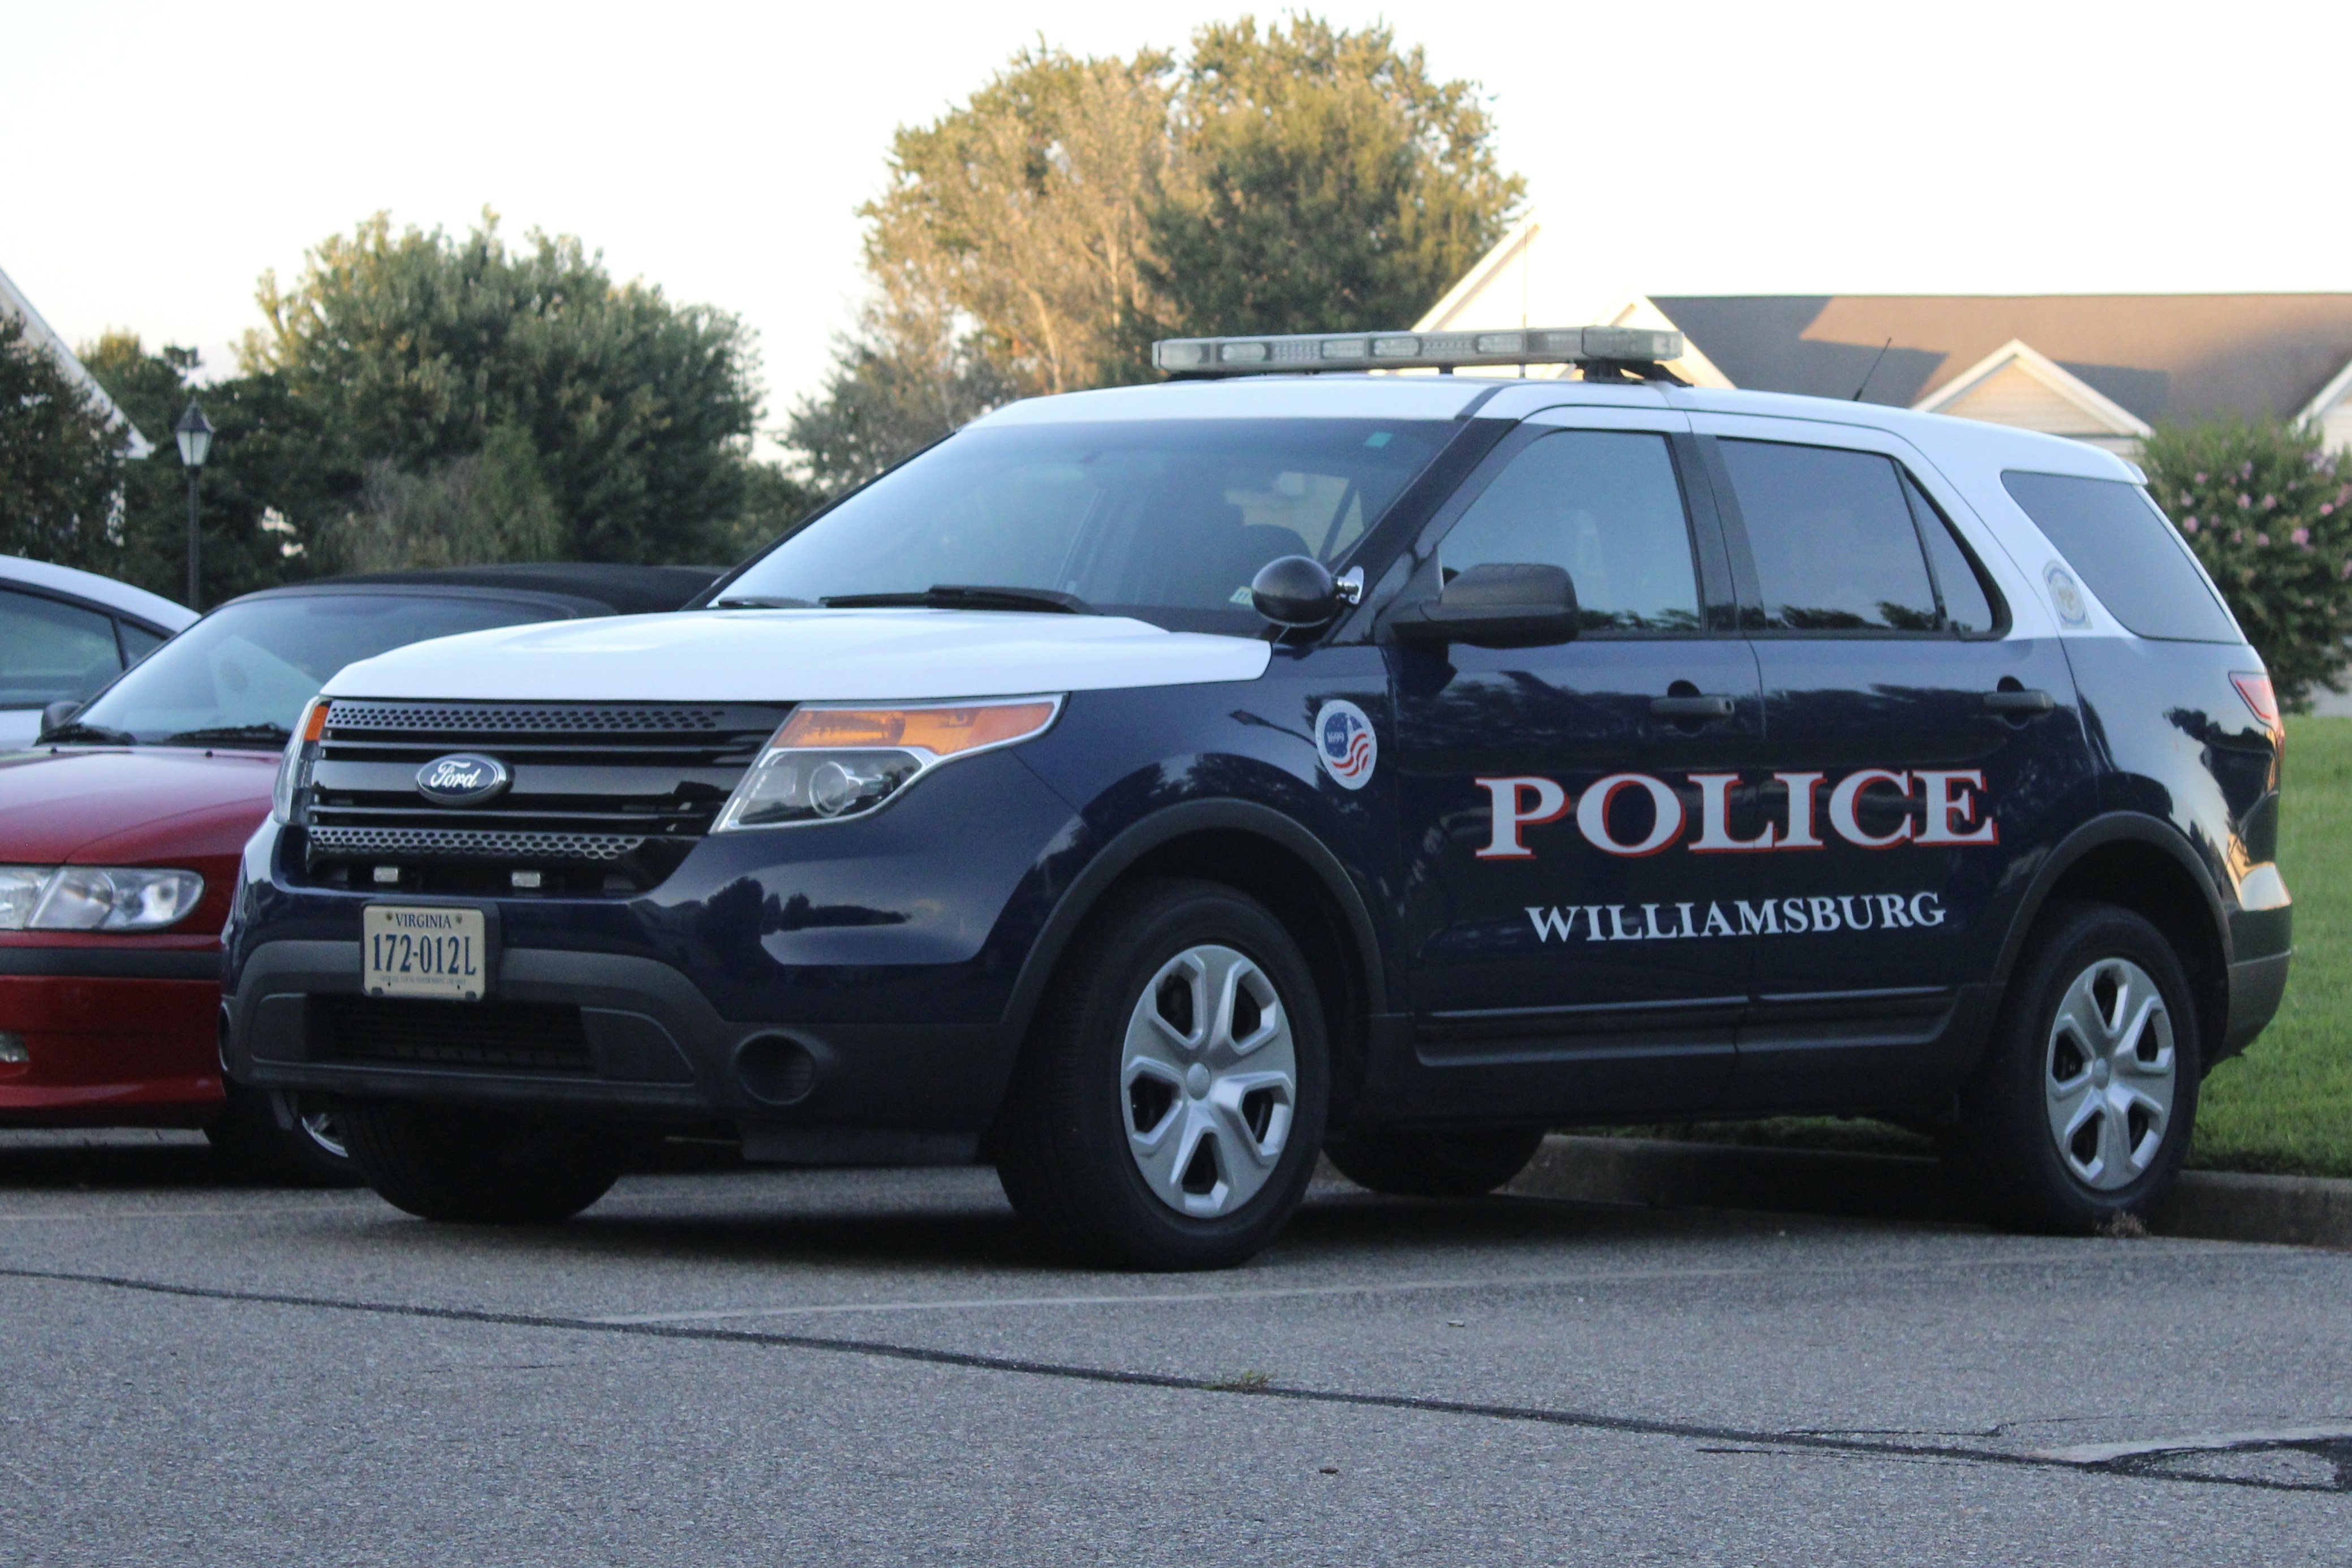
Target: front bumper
{"x": 657, "y": 1050}
{"x": 836, "y": 992}
{"x": 113, "y": 1038}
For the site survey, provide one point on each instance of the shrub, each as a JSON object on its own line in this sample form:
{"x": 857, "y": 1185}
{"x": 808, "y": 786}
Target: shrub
{"x": 2268, "y": 509}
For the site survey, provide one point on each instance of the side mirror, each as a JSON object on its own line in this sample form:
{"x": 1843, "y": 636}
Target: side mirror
{"x": 1502, "y": 605}
{"x": 55, "y": 715}
{"x": 1296, "y": 591}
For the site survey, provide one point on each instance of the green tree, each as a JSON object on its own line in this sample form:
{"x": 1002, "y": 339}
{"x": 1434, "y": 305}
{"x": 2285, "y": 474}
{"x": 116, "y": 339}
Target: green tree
{"x": 261, "y": 475}
{"x": 1038, "y": 237}
{"x": 416, "y": 350}
{"x": 1327, "y": 184}
{"x": 2268, "y": 509}
{"x": 1024, "y": 212}
{"x": 61, "y": 459}
{"x": 902, "y": 379}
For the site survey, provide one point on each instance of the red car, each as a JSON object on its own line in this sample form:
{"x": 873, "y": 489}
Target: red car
{"x": 120, "y": 833}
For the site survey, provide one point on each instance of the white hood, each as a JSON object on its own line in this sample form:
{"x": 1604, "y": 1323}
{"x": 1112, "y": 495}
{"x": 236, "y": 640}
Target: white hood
{"x": 778, "y": 655}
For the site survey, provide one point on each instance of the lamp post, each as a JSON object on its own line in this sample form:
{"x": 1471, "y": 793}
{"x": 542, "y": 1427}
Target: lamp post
{"x": 195, "y": 434}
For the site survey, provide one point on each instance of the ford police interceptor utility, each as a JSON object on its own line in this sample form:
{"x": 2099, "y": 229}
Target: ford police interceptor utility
{"x": 1145, "y": 789}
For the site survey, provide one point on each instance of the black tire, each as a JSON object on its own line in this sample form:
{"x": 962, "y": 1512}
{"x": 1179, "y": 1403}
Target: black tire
{"x": 1063, "y": 1141}
{"x": 2007, "y": 1149}
{"x": 253, "y": 1146}
{"x": 1433, "y": 1162}
{"x": 482, "y": 1167}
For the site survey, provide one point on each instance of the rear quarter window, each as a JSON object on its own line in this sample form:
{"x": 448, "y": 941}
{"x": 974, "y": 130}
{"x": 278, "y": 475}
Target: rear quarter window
{"x": 2116, "y": 541}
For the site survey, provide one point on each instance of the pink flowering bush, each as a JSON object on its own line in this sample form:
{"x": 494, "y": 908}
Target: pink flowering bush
{"x": 2269, "y": 511}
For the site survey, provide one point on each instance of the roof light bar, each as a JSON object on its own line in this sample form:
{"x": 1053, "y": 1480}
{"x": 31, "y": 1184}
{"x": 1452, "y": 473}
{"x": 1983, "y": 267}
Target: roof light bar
{"x": 1311, "y": 352}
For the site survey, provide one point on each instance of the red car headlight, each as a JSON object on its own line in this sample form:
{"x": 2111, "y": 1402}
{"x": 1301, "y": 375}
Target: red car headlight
{"x": 95, "y": 898}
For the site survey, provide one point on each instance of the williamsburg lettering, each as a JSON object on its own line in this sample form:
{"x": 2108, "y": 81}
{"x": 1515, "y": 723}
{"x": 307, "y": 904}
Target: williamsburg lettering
{"x": 1817, "y": 915}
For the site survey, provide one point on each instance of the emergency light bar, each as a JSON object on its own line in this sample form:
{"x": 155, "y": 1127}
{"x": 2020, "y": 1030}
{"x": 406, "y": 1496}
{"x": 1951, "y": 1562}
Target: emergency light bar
{"x": 1607, "y": 346}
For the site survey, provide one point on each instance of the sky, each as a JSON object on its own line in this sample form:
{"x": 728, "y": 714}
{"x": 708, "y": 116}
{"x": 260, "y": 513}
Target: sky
{"x": 160, "y": 157}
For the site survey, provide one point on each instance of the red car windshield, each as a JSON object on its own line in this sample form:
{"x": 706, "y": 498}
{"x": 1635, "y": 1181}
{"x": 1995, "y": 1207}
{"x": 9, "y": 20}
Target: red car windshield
{"x": 241, "y": 674}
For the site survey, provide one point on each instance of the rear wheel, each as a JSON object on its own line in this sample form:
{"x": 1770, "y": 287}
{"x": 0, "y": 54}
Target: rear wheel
{"x": 1167, "y": 1110}
{"x": 482, "y": 1167}
{"x": 308, "y": 1153}
{"x": 2085, "y": 1103}
{"x": 1429, "y": 1163}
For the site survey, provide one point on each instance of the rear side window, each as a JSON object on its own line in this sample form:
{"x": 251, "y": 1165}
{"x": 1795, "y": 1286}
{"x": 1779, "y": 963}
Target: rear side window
{"x": 1832, "y": 537}
{"x": 50, "y": 650}
{"x": 1967, "y": 603}
{"x": 2119, "y": 543}
{"x": 1605, "y": 506}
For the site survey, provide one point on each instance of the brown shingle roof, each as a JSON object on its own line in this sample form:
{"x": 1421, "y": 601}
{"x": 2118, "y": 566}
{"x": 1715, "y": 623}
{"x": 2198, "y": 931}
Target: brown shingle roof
{"x": 2163, "y": 356}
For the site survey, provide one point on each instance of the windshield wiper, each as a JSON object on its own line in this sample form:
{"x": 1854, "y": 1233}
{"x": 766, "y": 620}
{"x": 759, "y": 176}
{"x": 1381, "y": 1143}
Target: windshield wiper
{"x": 761, "y": 601}
{"x": 964, "y": 596}
{"x": 88, "y": 735}
{"x": 229, "y": 735}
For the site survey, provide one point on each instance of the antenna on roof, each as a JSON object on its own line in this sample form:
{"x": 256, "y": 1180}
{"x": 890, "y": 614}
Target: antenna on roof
{"x": 1871, "y": 372}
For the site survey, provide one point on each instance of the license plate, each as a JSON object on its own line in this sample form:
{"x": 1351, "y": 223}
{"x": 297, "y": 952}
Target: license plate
{"x": 419, "y": 952}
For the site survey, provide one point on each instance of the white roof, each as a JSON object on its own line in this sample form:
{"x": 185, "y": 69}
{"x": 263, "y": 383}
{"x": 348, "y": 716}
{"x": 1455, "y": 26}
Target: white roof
{"x": 38, "y": 331}
{"x": 136, "y": 602}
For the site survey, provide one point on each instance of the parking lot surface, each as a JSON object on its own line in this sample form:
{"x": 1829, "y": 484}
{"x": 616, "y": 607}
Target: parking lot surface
{"x": 729, "y": 1366}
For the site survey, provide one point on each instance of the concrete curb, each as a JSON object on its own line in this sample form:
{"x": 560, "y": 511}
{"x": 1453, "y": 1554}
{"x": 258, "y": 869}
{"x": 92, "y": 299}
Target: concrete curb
{"x": 2217, "y": 1205}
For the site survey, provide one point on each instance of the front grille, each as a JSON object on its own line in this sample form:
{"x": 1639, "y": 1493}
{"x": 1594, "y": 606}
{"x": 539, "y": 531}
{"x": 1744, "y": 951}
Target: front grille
{"x": 605, "y": 797}
{"x": 522, "y": 718}
{"x": 464, "y": 844}
{"x": 509, "y": 1037}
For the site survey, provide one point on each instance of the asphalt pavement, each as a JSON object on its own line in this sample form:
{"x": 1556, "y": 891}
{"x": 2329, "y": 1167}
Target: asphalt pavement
{"x": 729, "y": 1365}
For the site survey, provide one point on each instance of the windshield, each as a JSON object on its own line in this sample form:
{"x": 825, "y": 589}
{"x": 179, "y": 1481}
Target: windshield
{"x": 242, "y": 673}
{"x": 1167, "y": 521}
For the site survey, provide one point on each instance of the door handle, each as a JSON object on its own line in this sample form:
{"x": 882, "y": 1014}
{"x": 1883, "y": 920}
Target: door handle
{"x": 1690, "y": 707}
{"x": 2018, "y": 701}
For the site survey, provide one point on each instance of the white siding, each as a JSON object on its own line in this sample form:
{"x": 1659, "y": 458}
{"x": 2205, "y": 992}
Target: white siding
{"x": 2015, "y": 396}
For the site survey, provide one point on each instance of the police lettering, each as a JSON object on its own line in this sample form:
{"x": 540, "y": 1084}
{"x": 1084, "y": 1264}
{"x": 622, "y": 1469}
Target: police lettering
{"x": 1873, "y": 808}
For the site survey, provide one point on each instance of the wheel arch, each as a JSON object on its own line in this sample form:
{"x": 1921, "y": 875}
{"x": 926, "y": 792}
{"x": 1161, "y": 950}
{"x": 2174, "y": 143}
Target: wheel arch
{"x": 2139, "y": 864}
{"x": 1256, "y": 850}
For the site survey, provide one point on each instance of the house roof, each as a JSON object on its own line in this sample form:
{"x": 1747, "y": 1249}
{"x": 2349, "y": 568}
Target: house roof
{"x": 38, "y": 331}
{"x": 2157, "y": 356}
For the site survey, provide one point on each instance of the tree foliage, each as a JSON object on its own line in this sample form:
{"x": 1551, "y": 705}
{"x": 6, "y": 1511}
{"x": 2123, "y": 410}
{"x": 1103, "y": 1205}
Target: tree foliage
{"x": 2268, "y": 509}
{"x": 1328, "y": 184}
{"x": 424, "y": 351}
{"x": 260, "y": 474}
{"x": 1036, "y": 239}
{"x": 60, "y": 458}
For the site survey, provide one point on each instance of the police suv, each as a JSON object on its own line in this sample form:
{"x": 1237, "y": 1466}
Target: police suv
{"x": 1145, "y": 790}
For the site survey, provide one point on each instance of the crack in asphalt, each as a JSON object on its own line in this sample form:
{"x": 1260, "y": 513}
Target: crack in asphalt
{"x": 2146, "y": 1465}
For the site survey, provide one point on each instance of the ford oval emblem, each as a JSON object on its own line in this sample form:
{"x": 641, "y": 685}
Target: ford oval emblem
{"x": 461, "y": 779}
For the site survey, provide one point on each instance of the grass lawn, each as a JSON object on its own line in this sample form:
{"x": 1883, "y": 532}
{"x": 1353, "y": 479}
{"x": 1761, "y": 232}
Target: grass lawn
{"x": 2286, "y": 1104}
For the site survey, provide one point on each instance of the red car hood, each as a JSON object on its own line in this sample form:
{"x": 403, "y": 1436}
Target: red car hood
{"x": 142, "y": 805}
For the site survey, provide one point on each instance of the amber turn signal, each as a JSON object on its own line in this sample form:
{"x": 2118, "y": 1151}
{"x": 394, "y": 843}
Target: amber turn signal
{"x": 943, "y": 732}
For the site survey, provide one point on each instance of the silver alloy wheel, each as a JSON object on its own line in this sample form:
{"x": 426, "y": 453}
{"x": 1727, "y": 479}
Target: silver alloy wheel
{"x": 2109, "y": 1073}
{"x": 1209, "y": 1080}
{"x": 319, "y": 1128}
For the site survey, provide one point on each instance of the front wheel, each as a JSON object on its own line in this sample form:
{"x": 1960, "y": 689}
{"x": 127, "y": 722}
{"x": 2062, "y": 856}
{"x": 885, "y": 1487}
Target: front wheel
{"x": 2085, "y": 1102}
{"x": 1167, "y": 1110}
{"x": 481, "y": 1168}
{"x": 306, "y": 1152}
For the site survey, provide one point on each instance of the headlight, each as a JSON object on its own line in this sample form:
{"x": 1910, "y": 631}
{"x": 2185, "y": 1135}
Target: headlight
{"x": 830, "y": 761}
{"x": 95, "y": 898}
{"x": 294, "y": 765}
